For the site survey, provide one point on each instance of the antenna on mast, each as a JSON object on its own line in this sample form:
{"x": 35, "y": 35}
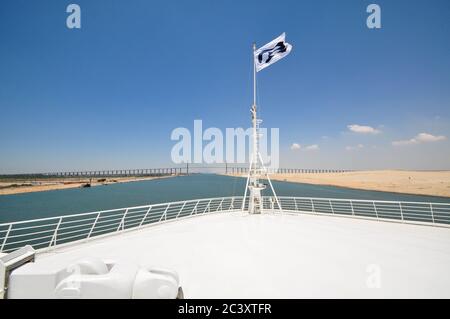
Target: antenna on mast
{"x": 257, "y": 169}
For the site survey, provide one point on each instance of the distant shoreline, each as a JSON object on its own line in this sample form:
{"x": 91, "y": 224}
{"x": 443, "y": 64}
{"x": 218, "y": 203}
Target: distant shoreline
{"x": 429, "y": 183}
{"x": 12, "y": 187}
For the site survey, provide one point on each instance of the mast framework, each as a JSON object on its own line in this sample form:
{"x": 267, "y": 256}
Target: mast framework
{"x": 257, "y": 168}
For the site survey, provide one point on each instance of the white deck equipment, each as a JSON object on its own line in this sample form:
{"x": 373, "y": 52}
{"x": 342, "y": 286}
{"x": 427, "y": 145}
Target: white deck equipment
{"x": 93, "y": 278}
{"x": 9, "y": 262}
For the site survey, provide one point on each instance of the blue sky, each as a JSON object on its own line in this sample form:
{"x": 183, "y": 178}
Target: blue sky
{"x": 109, "y": 94}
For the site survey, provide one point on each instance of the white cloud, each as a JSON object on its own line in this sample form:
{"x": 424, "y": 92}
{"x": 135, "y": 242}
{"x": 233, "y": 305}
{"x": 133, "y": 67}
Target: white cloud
{"x": 420, "y": 138}
{"x": 362, "y": 129}
{"x": 313, "y": 147}
{"x": 295, "y": 147}
{"x": 425, "y": 137}
{"x": 405, "y": 142}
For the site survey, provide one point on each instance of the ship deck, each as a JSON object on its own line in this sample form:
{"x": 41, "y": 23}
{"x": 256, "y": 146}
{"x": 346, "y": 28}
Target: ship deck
{"x": 236, "y": 255}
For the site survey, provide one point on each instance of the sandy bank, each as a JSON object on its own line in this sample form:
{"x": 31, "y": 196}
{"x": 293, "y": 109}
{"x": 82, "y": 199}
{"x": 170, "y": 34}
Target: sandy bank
{"x": 18, "y": 187}
{"x": 434, "y": 183}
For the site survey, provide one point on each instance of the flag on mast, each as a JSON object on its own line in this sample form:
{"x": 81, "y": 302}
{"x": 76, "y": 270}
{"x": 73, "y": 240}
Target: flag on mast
{"x": 271, "y": 52}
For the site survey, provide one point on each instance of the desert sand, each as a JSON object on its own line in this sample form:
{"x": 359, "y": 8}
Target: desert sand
{"x": 17, "y": 187}
{"x": 435, "y": 183}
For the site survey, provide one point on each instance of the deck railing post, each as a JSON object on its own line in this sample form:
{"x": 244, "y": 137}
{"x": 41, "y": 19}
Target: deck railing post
{"x": 312, "y": 205}
{"x": 353, "y": 210}
{"x": 165, "y": 212}
{"x": 375, "y": 208}
{"x": 331, "y": 205}
{"x": 195, "y": 208}
{"x": 184, "y": 204}
{"x": 401, "y": 210}
{"x": 54, "y": 237}
{"x": 6, "y": 237}
{"x": 93, "y": 225}
{"x": 231, "y": 204}
{"x": 220, "y": 205}
{"x": 432, "y": 213}
{"x": 145, "y": 216}
{"x": 122, "y": 221}
{"x": 207, "y": 207}
{"x": 295, "y": 203}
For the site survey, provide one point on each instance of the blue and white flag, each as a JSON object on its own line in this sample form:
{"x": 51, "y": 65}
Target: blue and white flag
{"x": 272, "y": 52}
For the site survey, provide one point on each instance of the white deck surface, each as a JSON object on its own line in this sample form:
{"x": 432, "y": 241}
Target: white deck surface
{"x": 231, "y": 255}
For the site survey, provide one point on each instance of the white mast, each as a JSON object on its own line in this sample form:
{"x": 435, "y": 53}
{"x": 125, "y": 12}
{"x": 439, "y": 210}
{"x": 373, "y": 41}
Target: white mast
{"x": 257, "y": 168}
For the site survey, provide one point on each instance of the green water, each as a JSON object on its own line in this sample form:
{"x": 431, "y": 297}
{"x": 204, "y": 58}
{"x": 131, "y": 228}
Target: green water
{"x": 80, "y": 200}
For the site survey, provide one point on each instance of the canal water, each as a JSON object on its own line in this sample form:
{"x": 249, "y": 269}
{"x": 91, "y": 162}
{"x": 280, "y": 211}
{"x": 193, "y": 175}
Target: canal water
{"x": 80, "y": 200}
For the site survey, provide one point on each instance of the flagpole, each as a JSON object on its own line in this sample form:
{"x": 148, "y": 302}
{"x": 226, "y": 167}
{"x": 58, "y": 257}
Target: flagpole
{"x": 257, "y": 168}
{"x": 252, "y": 174}
{"x": 254, "y": 74}
{"x": 254, "y": 117}
{"x": 249, "y": 173}
{"x": 255, "y": 200}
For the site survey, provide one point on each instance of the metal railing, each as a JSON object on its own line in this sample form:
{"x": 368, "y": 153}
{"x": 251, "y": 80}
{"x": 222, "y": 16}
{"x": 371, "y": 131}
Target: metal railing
{"x": 48, "y": 232}
{"x": 407, "y": 212}
{"x": 45, "y": 233}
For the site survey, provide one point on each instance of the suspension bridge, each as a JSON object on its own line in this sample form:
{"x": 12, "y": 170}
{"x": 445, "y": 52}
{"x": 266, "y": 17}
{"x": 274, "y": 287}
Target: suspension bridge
{"x": 167, "y": 171}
